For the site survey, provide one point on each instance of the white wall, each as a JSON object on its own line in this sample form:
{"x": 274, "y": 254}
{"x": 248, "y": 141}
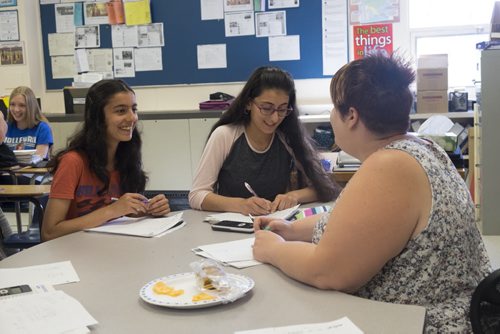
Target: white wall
{"x": 310, "y": 91}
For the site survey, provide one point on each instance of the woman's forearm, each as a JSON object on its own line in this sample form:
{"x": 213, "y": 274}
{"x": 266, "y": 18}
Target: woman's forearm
{"x": 304, "y": 195}
{"x": 215, "y": 202}
{"x": 57, "y": 229}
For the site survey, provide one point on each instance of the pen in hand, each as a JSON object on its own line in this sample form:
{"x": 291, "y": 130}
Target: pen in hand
{"x": 114, "y": 199}
{"x": 267, "y": 228}
{"x": 250, "y": 190}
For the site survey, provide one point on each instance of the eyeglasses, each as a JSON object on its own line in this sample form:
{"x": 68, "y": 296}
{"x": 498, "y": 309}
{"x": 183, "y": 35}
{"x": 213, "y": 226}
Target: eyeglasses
{"x": 267, "y": 109}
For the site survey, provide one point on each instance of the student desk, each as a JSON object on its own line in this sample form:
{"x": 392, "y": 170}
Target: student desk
{"x": 31, "y": 193}
{"x": 113, "y": 268}
{"x": 34, "y": 172}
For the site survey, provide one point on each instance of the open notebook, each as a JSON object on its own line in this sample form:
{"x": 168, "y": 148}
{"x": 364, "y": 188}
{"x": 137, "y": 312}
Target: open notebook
{"x": 140, "y": 227}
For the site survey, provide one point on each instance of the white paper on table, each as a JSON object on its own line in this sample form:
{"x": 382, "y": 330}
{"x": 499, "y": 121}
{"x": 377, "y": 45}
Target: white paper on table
{"x": 231, "y": 251}
{"x": 50, "y": 312}
{"x": 139, "y": 227}
{"x": 341, "y": 326}
{"x": 236, "y": 264}
{"x": 239, "y": 217}
{"x": 52, "y": 274}
{"x": 176, "y": 227}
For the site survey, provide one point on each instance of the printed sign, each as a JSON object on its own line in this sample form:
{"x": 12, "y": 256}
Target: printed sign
{"x": 372, "y": 38}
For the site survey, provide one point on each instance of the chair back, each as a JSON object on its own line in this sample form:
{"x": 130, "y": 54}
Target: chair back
{"x": 485, "y": 305}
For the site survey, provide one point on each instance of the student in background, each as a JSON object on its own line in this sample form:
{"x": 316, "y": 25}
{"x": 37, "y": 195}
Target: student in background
{"x": 102, "y": 162}
{"x": 28, "y": 128}
{"x": 260, "y": 141}
{"x": 5, "y": 229}
{"x": 403, "y": 229}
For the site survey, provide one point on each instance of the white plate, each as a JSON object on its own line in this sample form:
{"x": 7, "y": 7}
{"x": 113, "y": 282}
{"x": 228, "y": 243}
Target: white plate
{"x": 187, "y": 282}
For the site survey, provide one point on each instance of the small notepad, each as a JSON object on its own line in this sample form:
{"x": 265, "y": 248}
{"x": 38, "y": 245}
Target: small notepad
{"x": 239, "y": 217}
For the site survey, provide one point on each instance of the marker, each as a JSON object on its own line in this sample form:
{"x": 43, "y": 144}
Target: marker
{"x": 250, "y": 189}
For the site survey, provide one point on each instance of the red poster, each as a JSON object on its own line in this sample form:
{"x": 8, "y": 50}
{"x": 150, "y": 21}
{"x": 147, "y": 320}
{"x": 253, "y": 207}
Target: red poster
{"x": 372, "y": 38}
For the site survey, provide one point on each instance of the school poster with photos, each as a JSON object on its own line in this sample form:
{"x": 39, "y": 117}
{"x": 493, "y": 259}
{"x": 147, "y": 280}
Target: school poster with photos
{"x": 372, "y": 38}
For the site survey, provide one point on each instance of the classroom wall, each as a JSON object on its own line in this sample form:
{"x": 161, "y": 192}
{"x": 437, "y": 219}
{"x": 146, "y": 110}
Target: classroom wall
{"x": 168, "y": 98}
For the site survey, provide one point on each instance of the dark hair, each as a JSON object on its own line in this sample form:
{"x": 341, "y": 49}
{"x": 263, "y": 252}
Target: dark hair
{"x": 378, "y": 87}
{"x": 264, "y": 78}
{"x": 91, "y": 141}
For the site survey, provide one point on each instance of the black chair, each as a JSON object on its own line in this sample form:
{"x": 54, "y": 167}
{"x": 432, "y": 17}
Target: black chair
{"x": 32, "y": 236}
{"x": 485, "y": 305}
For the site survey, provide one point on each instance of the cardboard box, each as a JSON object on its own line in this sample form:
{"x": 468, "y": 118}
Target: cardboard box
{"x": 433, "y": 61}
{"x": 432, "y": 79}
{"x": 432, "y": 72}
{"x": 433, "y": 101}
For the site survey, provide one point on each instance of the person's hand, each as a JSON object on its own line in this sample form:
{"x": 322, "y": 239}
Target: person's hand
{"x": 256, "y": 206}
{"x": 264, "y": 241}
{"x": 278, "y": 226}
{"x": 130, "y": 204}
{"x": 283, "y": 201}
{"x": 158, "y": 206}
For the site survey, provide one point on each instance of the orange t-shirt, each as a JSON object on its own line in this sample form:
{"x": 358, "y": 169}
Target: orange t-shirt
{"x": 73, "y": 180}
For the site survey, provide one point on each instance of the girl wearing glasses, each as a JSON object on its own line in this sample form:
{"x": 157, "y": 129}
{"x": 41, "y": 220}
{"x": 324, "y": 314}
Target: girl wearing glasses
{"x": 253, "y": 150}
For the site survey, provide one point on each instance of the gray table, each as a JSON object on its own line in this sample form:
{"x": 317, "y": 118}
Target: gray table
{"x": 113, "y": 268}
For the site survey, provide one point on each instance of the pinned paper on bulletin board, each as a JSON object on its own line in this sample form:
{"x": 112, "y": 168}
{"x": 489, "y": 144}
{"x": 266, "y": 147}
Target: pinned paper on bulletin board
{"x": 115, "y": 12}
{"x": 137, "y": 12}
{"x": 372, "y": 38}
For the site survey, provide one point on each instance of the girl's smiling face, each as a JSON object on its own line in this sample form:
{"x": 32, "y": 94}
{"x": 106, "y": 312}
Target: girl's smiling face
{"x": 17, "y": 108}
{"x": 270, "y": 98}
{"x": 121, "y": 117}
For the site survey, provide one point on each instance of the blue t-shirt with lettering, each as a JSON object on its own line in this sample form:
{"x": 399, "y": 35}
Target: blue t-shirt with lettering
{"x": 28, "y": 139}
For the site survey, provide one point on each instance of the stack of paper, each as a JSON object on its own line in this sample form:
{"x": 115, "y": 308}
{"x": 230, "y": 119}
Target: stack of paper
{"x": 141, "y": 227}
{"x": 236, "y": 253}
{"x": 24, "y": 156}
{"x": 43, "y": 309}
{"x": 233, "y": 216}
{"x": 52, "y": 274}
{"x": 46, "y": 312}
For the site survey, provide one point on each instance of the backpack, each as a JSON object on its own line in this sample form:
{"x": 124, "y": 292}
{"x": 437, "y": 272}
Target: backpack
{"x": 7, "y": 157}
